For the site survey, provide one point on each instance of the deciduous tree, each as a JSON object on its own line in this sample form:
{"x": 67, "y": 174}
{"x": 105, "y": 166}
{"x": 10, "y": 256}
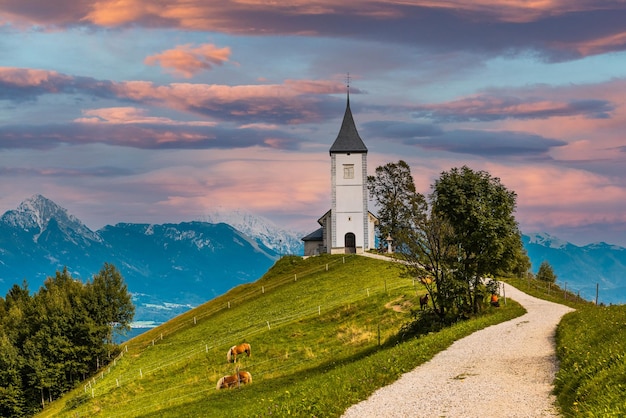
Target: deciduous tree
{"x": 393, "y": 191}
{"x": 480, "y": 210}
{"x": 59, "y": 335}
{"x": 110, "y": 303}
{"x": 546, "y": 273}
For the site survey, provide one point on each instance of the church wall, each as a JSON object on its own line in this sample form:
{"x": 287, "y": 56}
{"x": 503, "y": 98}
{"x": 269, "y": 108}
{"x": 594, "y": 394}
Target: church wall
{"x": 348, "y": 197}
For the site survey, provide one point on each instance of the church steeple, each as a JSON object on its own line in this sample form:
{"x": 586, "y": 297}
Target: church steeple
{"x": 348, "y": 227}
{"x": 348, "y": 139}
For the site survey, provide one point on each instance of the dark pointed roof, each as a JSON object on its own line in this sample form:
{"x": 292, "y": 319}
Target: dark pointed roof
{"x": 348, "y": 139}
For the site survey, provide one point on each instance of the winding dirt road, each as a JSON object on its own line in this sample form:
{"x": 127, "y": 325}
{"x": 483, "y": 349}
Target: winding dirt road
{"x": 505, "y": 370}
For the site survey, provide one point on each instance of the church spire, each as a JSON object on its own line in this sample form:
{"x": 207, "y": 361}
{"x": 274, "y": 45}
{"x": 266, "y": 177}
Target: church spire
{"x": 348, "y": 139}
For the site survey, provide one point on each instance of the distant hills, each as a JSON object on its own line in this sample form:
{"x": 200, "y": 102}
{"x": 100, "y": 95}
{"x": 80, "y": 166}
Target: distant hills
{"x": 170, "y": 268}
{"x": 582, "y": 268}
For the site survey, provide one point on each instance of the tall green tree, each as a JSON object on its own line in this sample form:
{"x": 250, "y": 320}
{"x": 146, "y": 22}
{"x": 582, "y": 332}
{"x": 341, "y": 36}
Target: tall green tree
{"x": 110, "y": 303}
{"x": 59, "y": 335}
{"x": 465, "y": 233}
{"x": 11, "y": 394}
{"x": 546, "y": 273}
{"x": 480, "y": 210}
{"x": 428, "y": 251}
{"x": 393, "y": 190}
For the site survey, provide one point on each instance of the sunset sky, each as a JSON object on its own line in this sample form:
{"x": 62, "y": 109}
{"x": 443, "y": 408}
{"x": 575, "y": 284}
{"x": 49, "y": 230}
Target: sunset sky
{"x": 163, "y": 111}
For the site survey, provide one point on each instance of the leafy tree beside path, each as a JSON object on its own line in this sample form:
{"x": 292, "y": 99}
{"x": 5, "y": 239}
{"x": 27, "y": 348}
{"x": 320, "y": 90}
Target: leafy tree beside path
{"x": 466, "y": 232}
{"x": 503, "y": 370}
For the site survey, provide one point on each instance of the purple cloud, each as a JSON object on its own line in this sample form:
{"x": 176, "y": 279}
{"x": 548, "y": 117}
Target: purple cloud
{"x": 488, "y": 143}
{"x": 486, "y": 107}
{"x": 144, "y": 136}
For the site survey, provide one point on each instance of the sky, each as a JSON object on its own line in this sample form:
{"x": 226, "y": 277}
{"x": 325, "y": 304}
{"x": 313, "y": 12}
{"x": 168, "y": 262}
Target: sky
{"x": 164, "y": 111}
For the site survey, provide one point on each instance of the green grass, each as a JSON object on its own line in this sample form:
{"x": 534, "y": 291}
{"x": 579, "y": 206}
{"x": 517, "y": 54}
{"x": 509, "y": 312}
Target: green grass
{"x": 591, "y": 381}
{"x": 591, "y": 348}
{"x": 323, "y": 335}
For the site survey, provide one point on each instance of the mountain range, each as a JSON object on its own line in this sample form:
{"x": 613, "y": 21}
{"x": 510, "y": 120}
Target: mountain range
{"x": 170, "y": 268}
{"x": 584, "y": 269}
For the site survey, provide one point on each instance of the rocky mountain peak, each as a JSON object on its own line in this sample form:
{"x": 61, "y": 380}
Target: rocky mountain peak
{"x": 35, "y": 214}
{"x": 547, "y": 240}
{"x": 261, "y": 229}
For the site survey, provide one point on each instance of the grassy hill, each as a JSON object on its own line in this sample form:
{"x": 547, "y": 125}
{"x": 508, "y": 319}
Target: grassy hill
{"x": 323, "y": 336}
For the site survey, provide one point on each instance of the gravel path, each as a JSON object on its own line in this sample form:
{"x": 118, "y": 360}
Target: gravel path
{"x": 505, "y": 370}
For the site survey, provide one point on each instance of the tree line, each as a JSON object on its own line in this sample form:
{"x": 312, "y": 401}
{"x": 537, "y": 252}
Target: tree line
{"x": 55, "y": 338}
{"x": 456, "y": 238}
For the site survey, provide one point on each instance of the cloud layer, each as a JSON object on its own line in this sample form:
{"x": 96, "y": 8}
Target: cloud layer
{"x": 169, "y": 108}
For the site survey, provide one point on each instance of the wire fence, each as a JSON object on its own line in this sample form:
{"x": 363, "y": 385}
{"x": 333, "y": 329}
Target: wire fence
{"x": 593, "y": 293}
{"x": 99, "y": 386}
{"x": 255, "y": 290}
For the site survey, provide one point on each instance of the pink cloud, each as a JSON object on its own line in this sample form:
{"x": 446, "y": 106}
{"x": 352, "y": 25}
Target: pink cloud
{"x": 198, "y": 14}
{"x": 521, "y": 104}
{"x": 293, "y": 101}
{"x": 257, "y": 179}
{"x": 245, "y": 100}
{"x": 553, "y": 30}
{"x": 598, "y": 45}
{"x": 589, "y": 137}
{"x": 560, "y": 196}
{"x": 26, "y": 77}
{"x": 186, "y": 61}
{"x": 516, "y": 11}
{"x": 131, "y": 115}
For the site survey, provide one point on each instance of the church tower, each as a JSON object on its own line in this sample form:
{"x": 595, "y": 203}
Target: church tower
{"x": 348, "y": 169}
{"x": 348, "y": 227}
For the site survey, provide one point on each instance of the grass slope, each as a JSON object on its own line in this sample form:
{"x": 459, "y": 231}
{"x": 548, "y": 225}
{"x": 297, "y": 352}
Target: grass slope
{"x": 322, "y": 332}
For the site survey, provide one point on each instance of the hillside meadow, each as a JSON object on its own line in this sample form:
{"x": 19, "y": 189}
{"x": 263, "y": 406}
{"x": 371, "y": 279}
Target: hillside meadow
{"x": 323, "y": 333}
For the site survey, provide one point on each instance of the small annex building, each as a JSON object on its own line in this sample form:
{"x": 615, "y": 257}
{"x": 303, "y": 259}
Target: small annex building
{"x": 348, "y": 227}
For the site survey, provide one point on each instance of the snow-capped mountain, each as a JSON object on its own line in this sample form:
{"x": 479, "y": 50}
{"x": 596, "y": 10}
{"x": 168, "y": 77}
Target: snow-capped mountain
{"x": 582, "y": 268}
{"x": 547, "y": 240}
{"x": 262, "y": 229}
{"x": 40, "y": 237}
{"x": 168, "y": 268}
{"x": 35, "y": 214}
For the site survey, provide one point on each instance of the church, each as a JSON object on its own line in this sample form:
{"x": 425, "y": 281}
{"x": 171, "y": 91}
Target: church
{"x": 348, "y": 227}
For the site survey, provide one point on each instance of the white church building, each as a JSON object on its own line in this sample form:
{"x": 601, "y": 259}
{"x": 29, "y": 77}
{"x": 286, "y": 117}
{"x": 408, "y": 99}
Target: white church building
{"x": 348, "y": 227}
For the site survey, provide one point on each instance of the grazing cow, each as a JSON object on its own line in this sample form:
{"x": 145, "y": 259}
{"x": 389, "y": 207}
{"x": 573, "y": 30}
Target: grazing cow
{"x": 424, "y": 301}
